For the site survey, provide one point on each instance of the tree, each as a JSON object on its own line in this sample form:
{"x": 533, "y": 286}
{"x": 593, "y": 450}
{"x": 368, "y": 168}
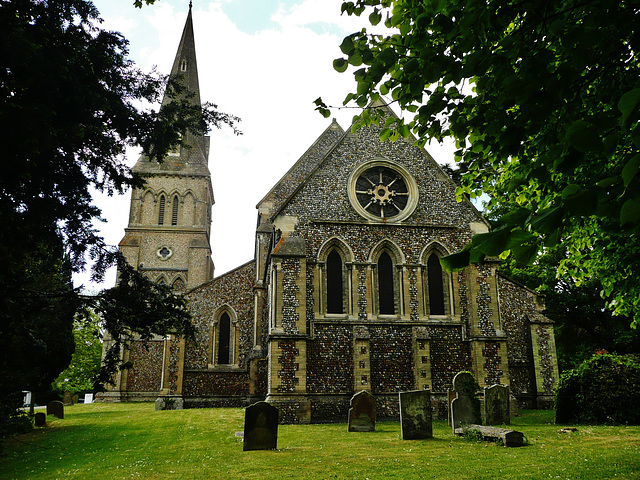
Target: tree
{"x": 83, "y": 370}
{"x": 68, "y": 96}
{"x": 583, "y": 326}
{"x": 543, "y": 101}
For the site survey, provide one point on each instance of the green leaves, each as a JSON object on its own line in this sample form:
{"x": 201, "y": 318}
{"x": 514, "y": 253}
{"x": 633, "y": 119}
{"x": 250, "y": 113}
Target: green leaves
{"x": 628, "y": 103}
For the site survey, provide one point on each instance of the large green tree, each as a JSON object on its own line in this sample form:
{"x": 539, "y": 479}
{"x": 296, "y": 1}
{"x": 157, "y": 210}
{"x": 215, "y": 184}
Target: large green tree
{"x": 542, "y": 99}
{"x": 69, "y": 100}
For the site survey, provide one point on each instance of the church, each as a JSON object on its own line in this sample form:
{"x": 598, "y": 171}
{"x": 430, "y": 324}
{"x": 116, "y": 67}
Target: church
{"x": 345, "y": 292}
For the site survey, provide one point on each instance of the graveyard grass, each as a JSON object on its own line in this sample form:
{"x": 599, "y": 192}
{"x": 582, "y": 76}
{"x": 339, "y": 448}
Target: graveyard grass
{"x": 134, "y": 441}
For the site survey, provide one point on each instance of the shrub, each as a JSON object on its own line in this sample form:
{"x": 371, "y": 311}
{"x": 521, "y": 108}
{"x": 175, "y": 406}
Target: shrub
{"x": 603, "y": 389}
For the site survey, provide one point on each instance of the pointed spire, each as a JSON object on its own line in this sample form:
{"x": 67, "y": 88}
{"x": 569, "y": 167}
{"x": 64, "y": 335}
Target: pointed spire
{"x": 193, "y": 156}
{"x": 185, "y": 63}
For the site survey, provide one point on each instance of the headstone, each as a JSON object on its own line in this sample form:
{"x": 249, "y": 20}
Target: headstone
{"x": 513, "y": 406}
{"x": 496, "y": 405}
{"x": 55, "y": 408}
{"x": 465, "y": 408}
{"x": 169, "y": 402}
{"x": 76, "y": 398}
{"x": 41, "y": 419}
{"x": 88, "y": 398}
{"x": 362, "y": 414}
{"x": 67, "y": 398}
{"x": 260, "y": 427}
{"x": 415, "y": 415}
{"x": 451, "y": 396}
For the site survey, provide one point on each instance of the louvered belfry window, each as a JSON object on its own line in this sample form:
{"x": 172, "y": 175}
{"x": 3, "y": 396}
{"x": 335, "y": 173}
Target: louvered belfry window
{"x": 174, "y": 211}
{"x": 161, "y": 208}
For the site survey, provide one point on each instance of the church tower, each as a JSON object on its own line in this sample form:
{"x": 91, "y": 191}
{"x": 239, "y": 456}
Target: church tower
{"x": 168, "y": 236}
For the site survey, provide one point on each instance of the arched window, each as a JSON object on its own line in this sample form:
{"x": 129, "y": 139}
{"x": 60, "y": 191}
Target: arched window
{"x": 161, "y": 207}
{"x": 386, "y": 295}
{"x": 224, "y": 340}
{"x": 178, "y": 285}
{"x": 436, "y": 286}
{"x": 334, "y": 283}
{"x": 174, "y": 211}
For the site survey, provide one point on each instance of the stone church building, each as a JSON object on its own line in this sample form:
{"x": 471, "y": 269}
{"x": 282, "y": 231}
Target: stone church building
{"x": 345, "y": 292}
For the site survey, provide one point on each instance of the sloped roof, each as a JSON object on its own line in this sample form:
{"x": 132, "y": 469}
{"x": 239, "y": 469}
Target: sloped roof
{"x": 308, "y": 162}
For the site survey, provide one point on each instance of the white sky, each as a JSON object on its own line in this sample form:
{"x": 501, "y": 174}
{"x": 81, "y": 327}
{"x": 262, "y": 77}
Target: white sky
{"x": 265, "y": 61}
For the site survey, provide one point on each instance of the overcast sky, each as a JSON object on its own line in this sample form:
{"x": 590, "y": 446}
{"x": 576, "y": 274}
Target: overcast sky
{"x": 265, "y": 61}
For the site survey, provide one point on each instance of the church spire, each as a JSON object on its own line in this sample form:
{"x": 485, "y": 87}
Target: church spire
{"x": 192, "y": 156}
{"x": 185, "y": 65}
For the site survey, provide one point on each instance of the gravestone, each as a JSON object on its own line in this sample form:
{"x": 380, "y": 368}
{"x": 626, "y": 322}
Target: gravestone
{"x": 496, "y": 405}
{"x": 362, "y": 414}
{"x": 415, "y": 415}
{"x": 465, "y": 408}
{"x": 67, "y": 398}
{"x": 88, "y": 398}
{"x": 41, "y": 419}
{"x": 260, "y": 427}
{"x": 169, "y": 402}
{"x": 55, "y": 408}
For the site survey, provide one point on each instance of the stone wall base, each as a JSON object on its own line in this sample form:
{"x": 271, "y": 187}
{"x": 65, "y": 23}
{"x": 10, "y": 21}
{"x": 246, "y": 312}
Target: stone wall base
{"x": 112, "y": 397}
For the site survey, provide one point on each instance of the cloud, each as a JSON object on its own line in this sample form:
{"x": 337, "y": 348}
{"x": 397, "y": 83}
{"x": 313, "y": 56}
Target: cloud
{"x": 269, "y": 78}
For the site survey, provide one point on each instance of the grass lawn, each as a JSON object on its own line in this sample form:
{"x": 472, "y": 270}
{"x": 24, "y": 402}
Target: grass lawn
{"x": 99, "y": 441}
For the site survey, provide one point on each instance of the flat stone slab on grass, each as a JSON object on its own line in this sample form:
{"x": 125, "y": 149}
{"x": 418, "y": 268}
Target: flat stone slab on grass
{"x": 510, "y": 438}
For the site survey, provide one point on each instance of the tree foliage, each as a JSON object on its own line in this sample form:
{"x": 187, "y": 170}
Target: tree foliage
{"x": 582, "y": 325}
{"x": 82, "y": 372}
{"x": 69, "y": 100}
{"x": 603, "y": 389}
{"x": 543, "y": 101}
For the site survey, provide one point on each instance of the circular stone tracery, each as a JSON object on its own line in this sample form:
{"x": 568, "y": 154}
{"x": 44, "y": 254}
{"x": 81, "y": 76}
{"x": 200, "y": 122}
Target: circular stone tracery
{"x": 382, "y": 190}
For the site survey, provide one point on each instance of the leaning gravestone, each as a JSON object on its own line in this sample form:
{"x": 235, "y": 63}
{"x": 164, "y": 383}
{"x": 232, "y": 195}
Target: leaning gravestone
{"x": 465, "y": 408}
{"x": 362, "y": 414}
{"x": 260, "y": 427}
{"x": 496, "y": 405}
{"x": 55, "y": 408}
{"x": 41, "y": 419}
{"x": 415, "y": 415}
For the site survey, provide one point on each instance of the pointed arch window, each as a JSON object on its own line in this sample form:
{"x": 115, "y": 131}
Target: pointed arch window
{"x": 183, "y": 65}
{"x": 223, "y": 354}
{"x": 436, "y": 286}
{"x": 386, "y": 294}
{"x": 161, "y": 207}
{"x": 178, "y": 285}
{"x": 335, "y": 283}
{"x": 174, "y": 210}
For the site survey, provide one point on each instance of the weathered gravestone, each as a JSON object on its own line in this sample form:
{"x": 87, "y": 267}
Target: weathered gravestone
{"x": 496, "y": 405}
{"x": 55, "y": 408}
{"x": 362, "y": 414}
{"x": 415, "y": 415}
{"x": 41, "y": 419}
{"x": 88, "y": 398}
{"x": 465, "y": 408}
{"x": 260, "y": 427}
{"x": 67, "y": 398}
{"x": 169, "y": 402}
